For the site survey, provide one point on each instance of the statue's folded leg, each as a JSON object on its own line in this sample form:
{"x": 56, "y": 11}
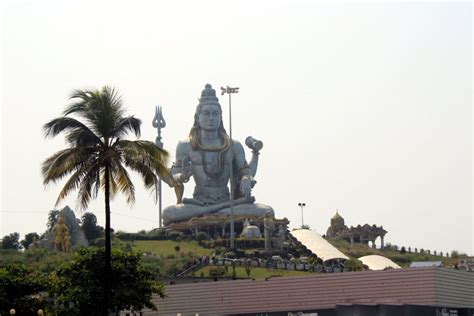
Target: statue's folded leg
{"x": 242, "y": 206}
{"x": 182, "y": 212}
{"x": 251, "y": 209}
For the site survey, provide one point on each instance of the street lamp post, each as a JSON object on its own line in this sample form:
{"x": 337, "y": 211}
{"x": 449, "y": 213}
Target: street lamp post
{"x": 302, "y": 205}
{"x": 159, "y": 123}
{"x": 229, "y": 91}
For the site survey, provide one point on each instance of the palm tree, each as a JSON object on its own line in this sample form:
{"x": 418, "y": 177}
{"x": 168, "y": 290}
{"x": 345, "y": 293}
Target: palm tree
{"x": 97, "y": 156}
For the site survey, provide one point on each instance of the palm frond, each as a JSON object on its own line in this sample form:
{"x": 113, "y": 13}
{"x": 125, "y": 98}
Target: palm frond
{"x": 67, "y": 124}
{"x": 150, "y": 179}
{"x": 71, "y": 184}
{"x": 127, "y": 124}
{"x": 124, "y": 183}
{"x": 82, "y": 138}
{"x": 64, "y": 162}
{"x": 82, "y": 99}
{"x": 113, "y": 188}
{"x": 86, "y": 186}
{"x": 152, "y": 155}
{"x": 75, "y": 181}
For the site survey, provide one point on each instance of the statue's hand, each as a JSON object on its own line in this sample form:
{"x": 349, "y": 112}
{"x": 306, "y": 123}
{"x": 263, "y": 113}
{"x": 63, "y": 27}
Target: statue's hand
{"x": 245, "y": 186}
{"x": 182, "y": 177}
{"x": 182, "y": 170}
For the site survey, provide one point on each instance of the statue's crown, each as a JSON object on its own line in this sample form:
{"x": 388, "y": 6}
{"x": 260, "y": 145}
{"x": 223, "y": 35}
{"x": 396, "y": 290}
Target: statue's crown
{"x": 208, "y": 95}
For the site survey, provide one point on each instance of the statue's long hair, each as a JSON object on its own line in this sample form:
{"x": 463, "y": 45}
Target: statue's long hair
{"x": 194, "y": 133}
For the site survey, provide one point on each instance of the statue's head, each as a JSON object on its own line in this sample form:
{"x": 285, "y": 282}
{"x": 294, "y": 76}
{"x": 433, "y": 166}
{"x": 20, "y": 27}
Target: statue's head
{"x": 61, "y": 219}
{"x": 208, "y": 114}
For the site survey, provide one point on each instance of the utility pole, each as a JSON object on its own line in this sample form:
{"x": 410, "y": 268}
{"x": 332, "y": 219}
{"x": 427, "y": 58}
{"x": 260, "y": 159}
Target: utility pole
{"x": 302, "y": 205}
{"x": 229, "y": 91}
{"x": 159, "y": 123}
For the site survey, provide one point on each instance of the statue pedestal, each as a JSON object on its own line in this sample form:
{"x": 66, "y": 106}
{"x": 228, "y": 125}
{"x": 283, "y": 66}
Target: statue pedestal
{"x": 218, "y": 225}
{"x": 254, "y": 209}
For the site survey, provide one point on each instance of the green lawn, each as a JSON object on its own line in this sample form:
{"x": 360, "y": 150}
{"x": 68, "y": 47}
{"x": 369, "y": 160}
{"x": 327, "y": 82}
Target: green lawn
{"x": 256, "y": 273}
{"x": 165, "y": 247}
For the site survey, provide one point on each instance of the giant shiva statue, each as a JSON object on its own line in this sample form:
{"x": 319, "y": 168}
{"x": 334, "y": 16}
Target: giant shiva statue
{"x": 206, "y": 156}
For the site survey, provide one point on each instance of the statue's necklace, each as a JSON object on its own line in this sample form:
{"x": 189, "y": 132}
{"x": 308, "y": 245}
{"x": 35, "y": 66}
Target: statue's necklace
{"x": 216, "y": 168}
{"x": 224, "y": 146}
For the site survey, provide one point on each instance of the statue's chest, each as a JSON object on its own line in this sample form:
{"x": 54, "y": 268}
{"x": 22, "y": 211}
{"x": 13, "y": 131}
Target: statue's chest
{"x": 209, "y": 158}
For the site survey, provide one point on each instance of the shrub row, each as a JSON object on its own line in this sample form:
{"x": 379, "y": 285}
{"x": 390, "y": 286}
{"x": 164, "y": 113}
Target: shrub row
{"x": 154, "y": 235}
{"x": 239, "y": 243}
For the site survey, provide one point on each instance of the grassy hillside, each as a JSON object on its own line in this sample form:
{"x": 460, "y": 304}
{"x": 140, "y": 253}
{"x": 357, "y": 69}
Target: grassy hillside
{"x": 357, "y": 250}
{"x": 167, "y": 247}
{"x": 256, "y": 273}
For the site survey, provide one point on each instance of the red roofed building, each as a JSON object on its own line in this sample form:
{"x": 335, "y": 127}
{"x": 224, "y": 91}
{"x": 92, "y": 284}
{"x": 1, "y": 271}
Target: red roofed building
{"x": 421, "y": 291}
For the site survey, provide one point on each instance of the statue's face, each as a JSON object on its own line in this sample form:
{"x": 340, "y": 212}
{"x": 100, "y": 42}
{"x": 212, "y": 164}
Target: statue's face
{"x": 210, "y": 117}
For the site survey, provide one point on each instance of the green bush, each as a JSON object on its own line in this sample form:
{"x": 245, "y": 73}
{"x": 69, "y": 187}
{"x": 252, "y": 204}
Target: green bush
{"x": 81, "y": 280}
{"x": 157, "y": 234}
{"x": 200, "y": 237}
{"x": 21, "y": 288}
{"x": 11, "y": 256}
{"x": 353, "y": 265}
{"x": 241, "y": 243}
{"x": 152, "y": 264}
{"x": 400, "y": 259}
{"x": 248, "y": 269}
{"x": 230, "y": 255}
{"x": 250, "y": 243}
{"x": 216, "y": 272}
{"x": 174, "y": 235}
{"x": 219, "y": 250}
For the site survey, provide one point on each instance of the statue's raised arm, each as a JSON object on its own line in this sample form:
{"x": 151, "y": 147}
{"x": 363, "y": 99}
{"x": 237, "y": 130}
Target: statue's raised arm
{"x": 243, "y": 178}
{"x": 181, "y": 169}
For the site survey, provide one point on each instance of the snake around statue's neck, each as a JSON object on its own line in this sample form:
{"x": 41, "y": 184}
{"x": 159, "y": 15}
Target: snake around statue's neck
{"x": 225, "y": 144}
{"x": 216, "y": 168}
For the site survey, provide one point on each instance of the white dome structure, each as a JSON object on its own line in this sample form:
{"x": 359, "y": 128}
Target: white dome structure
{"x": 376, "y": 262}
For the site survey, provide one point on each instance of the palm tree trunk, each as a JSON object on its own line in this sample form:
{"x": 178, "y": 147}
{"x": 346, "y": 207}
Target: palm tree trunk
{"x": 108, "y": 270}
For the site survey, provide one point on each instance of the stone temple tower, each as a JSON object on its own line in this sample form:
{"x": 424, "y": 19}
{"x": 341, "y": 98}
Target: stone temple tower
{"x": 337, "y": 226}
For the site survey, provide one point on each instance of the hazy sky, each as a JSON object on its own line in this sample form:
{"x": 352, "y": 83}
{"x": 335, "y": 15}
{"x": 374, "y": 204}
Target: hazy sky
{"x": 365, "y": 108}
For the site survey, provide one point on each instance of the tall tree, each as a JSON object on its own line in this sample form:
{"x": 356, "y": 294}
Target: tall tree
{"x": 98, "y": 154}
{"x": 11, "y": 241}
{"x": 29, "y": 238}
{"x": 90, "y": 227}
{"x": 53, "y": 216}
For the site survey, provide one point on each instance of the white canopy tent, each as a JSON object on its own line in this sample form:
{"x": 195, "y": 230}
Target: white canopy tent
{"x": 376, "y": 262}
{"x": 317, "y": 244}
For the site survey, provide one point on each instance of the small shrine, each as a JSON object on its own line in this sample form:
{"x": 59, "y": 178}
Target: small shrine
{"x": 65, "y": 235}
{"x": 359, "y": 234}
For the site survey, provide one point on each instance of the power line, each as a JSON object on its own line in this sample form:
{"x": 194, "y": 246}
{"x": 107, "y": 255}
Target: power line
{"x": 136, "y": 217}
{"x": 24, "y": 211}
{"x": 45, "y": 212}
